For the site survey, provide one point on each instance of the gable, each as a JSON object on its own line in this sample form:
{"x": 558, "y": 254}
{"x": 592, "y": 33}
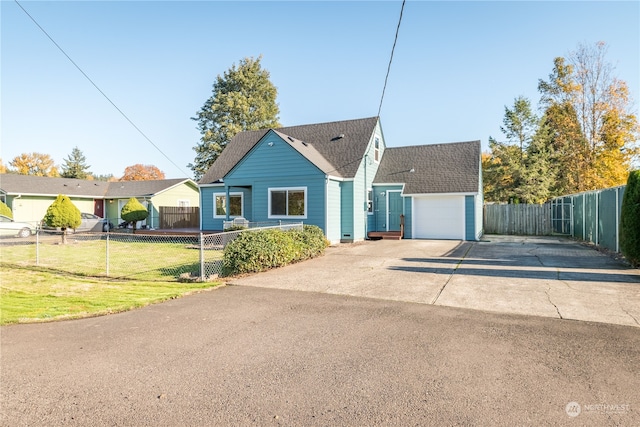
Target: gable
{"x": 276, "y": 149}
{"x": 338, "y": 146}
{"x": 436, "y": 168}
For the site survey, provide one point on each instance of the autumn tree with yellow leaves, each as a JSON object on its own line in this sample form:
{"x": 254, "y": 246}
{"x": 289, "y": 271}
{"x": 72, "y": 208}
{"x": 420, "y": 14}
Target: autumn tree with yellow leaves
{"x": 34, "y": 164}
{"x": 585, "y": 139}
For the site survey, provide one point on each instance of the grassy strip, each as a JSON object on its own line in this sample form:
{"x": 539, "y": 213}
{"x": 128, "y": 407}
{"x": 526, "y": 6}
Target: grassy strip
{"x": 153, "y": 260}
{"x": 30, "y": 294}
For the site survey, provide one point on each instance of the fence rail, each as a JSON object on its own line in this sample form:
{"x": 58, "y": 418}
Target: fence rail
{"x": 128, "y": 256}
{"x": 519, "y": 219}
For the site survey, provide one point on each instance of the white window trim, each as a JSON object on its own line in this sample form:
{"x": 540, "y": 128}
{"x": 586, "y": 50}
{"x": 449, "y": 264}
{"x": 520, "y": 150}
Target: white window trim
{"x": 271, "y": 189}
{"x": 184, "y": 203}
{"x": 370, "y": 200}
{"x": 216, "y": 195}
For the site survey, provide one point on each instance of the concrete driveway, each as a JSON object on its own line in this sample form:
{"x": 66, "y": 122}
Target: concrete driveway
{"x": 540, "y": 276}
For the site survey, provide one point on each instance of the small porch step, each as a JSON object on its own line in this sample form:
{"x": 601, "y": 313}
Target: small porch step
{"x": 387, "y": 235}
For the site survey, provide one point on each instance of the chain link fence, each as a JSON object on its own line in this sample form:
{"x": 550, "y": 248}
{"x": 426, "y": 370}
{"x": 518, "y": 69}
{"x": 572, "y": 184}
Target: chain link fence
{"x": 149, "y": 257}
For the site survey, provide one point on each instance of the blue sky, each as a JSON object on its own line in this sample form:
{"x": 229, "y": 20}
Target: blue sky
{"x": 455, "y": 68}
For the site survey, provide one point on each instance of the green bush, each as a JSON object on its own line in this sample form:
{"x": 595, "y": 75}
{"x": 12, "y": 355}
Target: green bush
{"x": 235, "y": 228}
{"x": 5, "y": 210}
{"x": 255, "y": 251}
{"x": 64, "y": 214}
{"x": 630, "y": 220}
{"x": 134, "y": 211}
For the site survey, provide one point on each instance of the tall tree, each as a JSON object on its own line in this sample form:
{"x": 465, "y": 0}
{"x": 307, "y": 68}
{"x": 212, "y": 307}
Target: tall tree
{"x": 3, "y": 168}
{"x": 519, "y": 123}
{"x": 75, "y": 165}
{"x": 34, "y": 164}
{"x": 589, "y": 112}
{"x": 243, "y": 99}
{"x": 140, "y": 172}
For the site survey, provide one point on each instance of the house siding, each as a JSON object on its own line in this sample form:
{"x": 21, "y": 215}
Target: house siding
{"x": 333, "y": 210}
{"x": 363, "y": 181}
{"x": 256, "y": 170}
{"x": 380, "y": 206}
{"x": 208, "y": 222}
{"x": 408, "y": 218}
{"x": 346, "y": 209}
{"x": 171, "y": 198}
{"x": 32, "y": 209}
{"x": 469, "y": 218}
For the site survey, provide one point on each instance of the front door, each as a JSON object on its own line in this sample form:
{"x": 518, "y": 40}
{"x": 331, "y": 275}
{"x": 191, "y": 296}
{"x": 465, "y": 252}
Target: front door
{"x": 394, "y": 210}
{"x": 97, "y": 207}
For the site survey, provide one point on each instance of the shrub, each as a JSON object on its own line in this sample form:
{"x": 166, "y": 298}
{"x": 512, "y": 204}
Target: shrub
{"x": 255, "y": 251}
{"x": 5, "y": 210}
{"x": 64, "y": 214}
{"x": 630, "y": 219}
{"x": 134, "y": 211}
{"x": 235, "y": 228}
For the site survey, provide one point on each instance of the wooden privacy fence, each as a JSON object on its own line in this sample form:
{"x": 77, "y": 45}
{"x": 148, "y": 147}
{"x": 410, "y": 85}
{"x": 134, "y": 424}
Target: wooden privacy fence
{"x": 179, "y": 217}
{"x": 518, "y": 219}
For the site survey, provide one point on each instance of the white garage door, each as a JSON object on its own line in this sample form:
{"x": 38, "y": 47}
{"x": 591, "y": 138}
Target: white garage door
{"x": 438, "y": 217}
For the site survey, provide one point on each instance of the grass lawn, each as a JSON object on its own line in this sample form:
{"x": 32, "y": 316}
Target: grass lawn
{"x": 161, "y": 259}
{"x": 35, "y": 294}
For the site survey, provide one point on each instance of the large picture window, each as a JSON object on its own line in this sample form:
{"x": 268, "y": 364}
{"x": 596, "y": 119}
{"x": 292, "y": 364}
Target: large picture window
{"x": 235, "y": 205}
{"x": 288, "y": 202}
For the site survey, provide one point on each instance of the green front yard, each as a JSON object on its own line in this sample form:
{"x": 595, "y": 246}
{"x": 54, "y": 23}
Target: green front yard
{"x": 35, "y": 294}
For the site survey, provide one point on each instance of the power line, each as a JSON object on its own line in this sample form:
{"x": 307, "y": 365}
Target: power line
{"x": 100, "y": 90}
{"x": 391, "y": 58}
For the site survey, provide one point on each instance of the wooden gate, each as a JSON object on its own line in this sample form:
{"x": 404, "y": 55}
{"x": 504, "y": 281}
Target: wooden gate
{"x": 172, "y": 217}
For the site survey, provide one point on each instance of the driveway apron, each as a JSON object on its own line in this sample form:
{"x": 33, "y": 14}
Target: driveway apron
{"x": 541, "y": 276}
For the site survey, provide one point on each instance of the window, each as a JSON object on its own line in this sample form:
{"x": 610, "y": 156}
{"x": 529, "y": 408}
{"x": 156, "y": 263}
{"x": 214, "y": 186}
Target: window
{"x": 183, "y": 203}
{"x": 370, "y": 202}
{"x": 376, "y": 150}
{"x": 288, "y": 202}
{"x": 235, "y": 205}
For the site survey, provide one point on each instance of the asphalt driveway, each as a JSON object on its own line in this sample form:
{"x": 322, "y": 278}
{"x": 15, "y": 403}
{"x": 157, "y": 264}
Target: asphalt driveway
{"x": 541, "y": 276}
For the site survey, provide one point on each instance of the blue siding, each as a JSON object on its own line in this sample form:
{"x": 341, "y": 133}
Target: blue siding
{"x": 206, "y": 209}
{"x": 469, "y": 218}
{"x": 346, "y": 210}
{"x": 380, "y": 206}
{"x": 272, "y": 163}
{"x": 407, "y": 217}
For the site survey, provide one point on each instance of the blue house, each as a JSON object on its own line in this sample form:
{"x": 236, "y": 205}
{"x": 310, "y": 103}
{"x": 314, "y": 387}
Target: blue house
{"x": 343, "y": 178}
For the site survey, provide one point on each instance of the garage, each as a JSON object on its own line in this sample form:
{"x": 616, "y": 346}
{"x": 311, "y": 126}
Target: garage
{"x": 438, "y": 217}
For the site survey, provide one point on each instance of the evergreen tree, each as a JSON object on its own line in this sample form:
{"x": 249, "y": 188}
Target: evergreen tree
{"x": 243, "y": 99}
{"x": 134, "y": 211}
{"x": 75, "y": 166}
{"x": 64, "y": 214}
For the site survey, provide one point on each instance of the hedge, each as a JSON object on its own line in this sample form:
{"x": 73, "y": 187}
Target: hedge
{"x": 630, "y": 220}
{"x": 254, "y": 251}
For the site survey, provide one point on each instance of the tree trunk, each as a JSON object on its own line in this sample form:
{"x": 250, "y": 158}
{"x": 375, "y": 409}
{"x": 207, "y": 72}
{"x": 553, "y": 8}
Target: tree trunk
{"x": 64, "y": 236}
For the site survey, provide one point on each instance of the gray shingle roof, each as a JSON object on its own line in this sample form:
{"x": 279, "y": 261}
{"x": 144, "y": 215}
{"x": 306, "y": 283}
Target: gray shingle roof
{"x": 337, "y": 156}
{"x": 438, "y": 168}
{"x": 122, "y": 189}
{"x": 40, "y": 185}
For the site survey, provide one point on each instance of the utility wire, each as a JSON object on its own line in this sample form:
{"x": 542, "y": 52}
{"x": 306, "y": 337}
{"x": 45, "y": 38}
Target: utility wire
{"x": 391, "y": 58}
{"x": 100, "y": 90}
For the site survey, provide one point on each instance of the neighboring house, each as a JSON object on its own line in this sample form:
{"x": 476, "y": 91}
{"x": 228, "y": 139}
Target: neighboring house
{"x": 30, "y": 196}
{"x": 341, "y": 177}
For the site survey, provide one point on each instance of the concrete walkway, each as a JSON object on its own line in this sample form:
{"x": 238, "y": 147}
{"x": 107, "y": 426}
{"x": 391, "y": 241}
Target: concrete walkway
{"x": 539, "y": 276}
